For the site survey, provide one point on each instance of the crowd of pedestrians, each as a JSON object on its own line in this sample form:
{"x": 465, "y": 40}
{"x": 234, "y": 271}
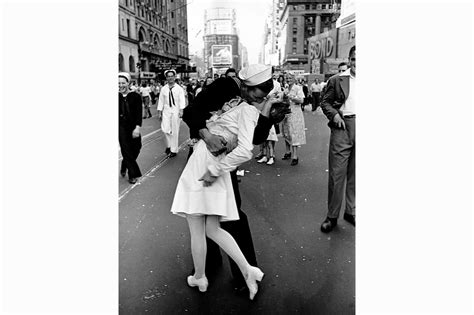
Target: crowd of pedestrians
{"x": 227, "y": 115}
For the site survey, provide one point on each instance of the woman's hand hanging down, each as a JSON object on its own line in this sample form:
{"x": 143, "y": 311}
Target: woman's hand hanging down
{"x": 208, "y": 179}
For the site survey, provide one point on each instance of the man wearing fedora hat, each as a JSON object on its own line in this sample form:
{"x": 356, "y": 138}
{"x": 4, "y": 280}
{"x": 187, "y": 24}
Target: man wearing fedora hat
{"x": 170, "y": 109}
{"x": 130, "y": 121}
{"x": 228, "y": 90}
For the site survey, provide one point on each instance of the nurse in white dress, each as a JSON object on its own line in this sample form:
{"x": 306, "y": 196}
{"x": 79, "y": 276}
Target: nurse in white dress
{"x": 171, "y": 103}
{"x": 204, "y": 194}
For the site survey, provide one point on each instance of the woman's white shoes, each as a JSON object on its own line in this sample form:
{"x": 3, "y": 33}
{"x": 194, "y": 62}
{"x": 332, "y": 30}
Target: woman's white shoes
{"x": 201, "y": 283}
{"x": 263, "y": 160}
{"x": 254, "y": 274}
{"x": 271, "y": 161}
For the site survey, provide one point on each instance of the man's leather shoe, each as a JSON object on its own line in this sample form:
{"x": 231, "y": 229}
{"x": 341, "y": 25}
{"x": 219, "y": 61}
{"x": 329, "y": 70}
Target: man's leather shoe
{"x": 123, "y": 173}
{"x": 168, "y": 151}
{"x": 328, "y": 225}
{"x": 350, "y": 218}
{"x": 172, "y": 154}
{"x": 133, "y": 180}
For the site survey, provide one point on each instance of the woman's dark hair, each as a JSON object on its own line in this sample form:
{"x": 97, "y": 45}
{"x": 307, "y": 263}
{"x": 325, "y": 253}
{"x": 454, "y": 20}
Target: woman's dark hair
{"x": 282, "y": 81}
{"x": 266, "y": 86}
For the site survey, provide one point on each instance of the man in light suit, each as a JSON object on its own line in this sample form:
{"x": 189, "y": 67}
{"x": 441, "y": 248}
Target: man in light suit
{"x": 338, "y": 104}
{"x": 171, "y": 103}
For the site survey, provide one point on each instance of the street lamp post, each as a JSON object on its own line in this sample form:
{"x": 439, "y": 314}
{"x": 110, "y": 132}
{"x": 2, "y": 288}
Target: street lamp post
{"x": 139, "y": 66}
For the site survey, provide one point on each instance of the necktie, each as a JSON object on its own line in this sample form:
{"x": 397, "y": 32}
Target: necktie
{"x": 171, "y": 98}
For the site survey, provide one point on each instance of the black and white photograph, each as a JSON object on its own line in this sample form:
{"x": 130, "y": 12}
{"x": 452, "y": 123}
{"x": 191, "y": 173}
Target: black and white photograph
{"x": 227, "y": 184}
{"x": 237, "y": 157}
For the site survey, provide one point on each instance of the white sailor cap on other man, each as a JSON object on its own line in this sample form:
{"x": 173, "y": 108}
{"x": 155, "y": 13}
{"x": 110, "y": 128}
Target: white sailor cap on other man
{"x": 170, "y": 70}
{"x": 125, "y": 75}
{"x": 255, "y": 74}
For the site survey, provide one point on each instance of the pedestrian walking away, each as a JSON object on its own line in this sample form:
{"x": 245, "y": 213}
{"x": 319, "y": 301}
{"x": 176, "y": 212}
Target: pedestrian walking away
{"x": 145, "y": 91}
{"x": 130, "y": 121}
{"x": 338, "y": 104}
{"x": 170, "y": 110}
{"x": 316, "y": 92}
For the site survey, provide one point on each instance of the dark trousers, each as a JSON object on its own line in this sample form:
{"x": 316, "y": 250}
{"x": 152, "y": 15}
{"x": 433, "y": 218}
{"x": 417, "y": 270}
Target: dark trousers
{"x": 146, "y": 107}
{"x": 315, "y": 103}
{"x": 240, "y": 231}
{"x": 342, "y": 169}
{"x": 130, "y": 148}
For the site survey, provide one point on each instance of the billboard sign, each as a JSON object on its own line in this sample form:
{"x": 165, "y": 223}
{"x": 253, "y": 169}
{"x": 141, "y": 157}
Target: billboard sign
{"x": 221, "y": 55}
{"x": 219, "y": 27}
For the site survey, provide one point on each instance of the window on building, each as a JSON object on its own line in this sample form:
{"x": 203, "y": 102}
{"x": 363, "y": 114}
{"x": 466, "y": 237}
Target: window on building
{"x": 121, "y": 65}
{"x": 307, "y": 7}
{"x": 126, "y": 3}
{"x": 294, "y": 50}
{"x": 295, "y": 20}
{"x": 128, "y": 28}
{"x": 172, "y": 15}
{"x": 295, "y": 31}
{"x": 131, "y": 64}
{"x": 172, "y": 30}
{"x": 294, "y": 39}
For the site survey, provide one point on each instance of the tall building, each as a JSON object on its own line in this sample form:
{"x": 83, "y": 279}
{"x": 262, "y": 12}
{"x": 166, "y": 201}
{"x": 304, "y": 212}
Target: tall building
{"x": 128, "y": 42}
{"x": 331, "y": 47}
{"x": 270, "y": 55}
{"x": 153, "y": 36}
{"x": 221, "y": 41}
{"x": 300, "y": 20}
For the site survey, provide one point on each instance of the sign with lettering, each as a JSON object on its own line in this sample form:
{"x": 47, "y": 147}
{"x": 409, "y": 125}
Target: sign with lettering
{"x": 147, "y": 75}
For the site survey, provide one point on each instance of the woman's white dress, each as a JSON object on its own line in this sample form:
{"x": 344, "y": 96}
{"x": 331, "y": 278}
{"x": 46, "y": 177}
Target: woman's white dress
{"x": 191, "y": 197}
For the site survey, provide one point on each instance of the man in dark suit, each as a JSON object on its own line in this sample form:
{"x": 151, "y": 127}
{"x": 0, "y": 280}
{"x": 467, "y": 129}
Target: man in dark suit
{"x": 130, "y": 121}
{"x": 338, "y": 104}
{"x": 211, "y": 99}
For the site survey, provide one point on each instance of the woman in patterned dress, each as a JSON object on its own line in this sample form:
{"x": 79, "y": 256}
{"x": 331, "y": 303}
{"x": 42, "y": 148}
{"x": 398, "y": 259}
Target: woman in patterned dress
{"x": 293, "y": 124}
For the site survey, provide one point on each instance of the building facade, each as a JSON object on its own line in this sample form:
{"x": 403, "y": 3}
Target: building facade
{"x": 128, "y": 42}
{"x": 331, "y": 47}
{"x": 153, "y": 37}
{"x": 270, "y": 52}
{"x": 299, "y": 21}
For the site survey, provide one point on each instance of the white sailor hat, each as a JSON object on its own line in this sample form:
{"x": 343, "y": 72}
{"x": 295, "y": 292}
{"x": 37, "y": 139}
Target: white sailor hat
{"x": 170, "y": 70}
{"x": 255, "y": 74}
{"x": 125, "y": 75}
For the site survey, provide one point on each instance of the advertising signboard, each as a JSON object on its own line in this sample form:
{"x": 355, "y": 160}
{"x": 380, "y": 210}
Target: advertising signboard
{"x": 219, "y": 27}
{"x": 221, "y": 55}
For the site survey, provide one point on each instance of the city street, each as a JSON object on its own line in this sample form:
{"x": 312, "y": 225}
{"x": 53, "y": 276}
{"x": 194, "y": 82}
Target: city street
{"x": 306, "y": 271}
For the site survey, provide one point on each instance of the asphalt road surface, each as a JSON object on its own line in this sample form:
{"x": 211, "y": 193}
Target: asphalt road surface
{"x": 306, "y": 271}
